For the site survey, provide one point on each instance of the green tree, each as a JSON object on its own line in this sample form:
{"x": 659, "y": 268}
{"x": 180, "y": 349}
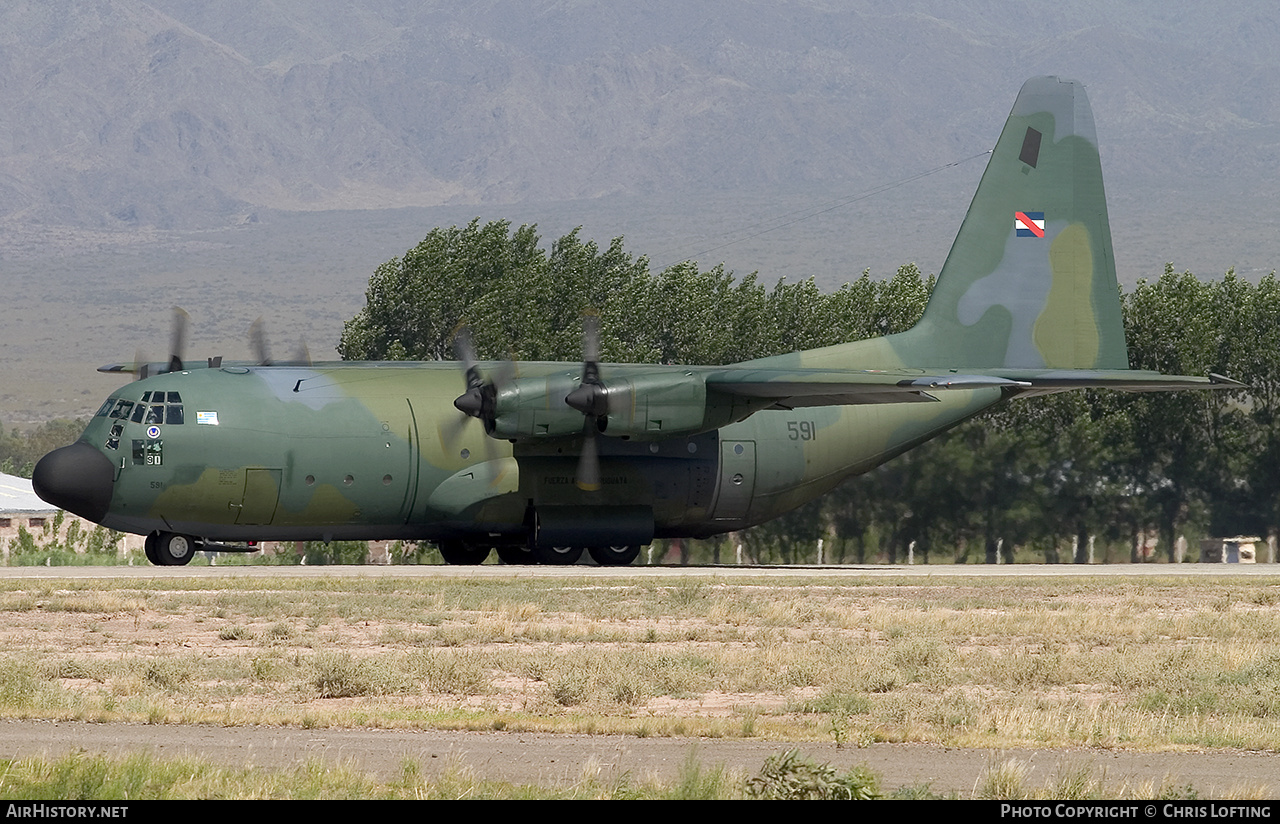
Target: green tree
{"x": 415, "y": 303}
{"x": 1047, "y": 471}
{"x": 1187, "y": 442}
{"x": 19, "y": 451}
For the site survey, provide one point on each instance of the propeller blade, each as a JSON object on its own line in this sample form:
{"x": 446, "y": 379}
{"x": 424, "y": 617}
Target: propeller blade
{"x": 258, "y": 342}
{"x": 590, "y": 397}
{"x": 302, "y": 354}
{"x": 464, "y": 348}
{"x": 451, "y": 430}
{"x": 481, "y": 394}
{"x": 178, "y": 338}
{"x": 591, "y": 339}
{"x": 480, "y": 397}
{"x": 588, "y": 475}
{"x": 502, "y": 374}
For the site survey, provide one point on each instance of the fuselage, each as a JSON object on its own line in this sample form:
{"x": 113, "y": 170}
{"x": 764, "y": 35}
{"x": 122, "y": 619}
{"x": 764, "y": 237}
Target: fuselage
{"x": 378, "y": 451}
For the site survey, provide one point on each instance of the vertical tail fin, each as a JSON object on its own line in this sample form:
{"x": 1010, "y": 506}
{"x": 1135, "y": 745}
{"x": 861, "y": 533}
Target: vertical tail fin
{"x": 1030, "y": 281}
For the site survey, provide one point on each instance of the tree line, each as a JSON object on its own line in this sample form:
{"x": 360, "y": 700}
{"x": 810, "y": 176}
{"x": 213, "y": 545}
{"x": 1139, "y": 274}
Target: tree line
{"x": 1044, "y": 478}
{"x": 1054, "y": 475}
{"x": 20, "y": 450}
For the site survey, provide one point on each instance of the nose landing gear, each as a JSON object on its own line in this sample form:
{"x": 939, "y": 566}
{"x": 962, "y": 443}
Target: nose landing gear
{"x": 170, "y": 549}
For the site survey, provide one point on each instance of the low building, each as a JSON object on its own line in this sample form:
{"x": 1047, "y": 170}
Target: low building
{"x": 21, "y": 509}
{"x": 1238, "y": 550}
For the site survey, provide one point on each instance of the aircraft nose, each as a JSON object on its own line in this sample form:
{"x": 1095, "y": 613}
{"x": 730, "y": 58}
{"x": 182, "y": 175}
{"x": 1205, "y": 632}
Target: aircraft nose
{"x": 77, "y": 478}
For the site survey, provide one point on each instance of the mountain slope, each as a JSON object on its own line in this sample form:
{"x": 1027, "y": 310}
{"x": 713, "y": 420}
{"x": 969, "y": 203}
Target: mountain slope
{"x": 182, "y": 114}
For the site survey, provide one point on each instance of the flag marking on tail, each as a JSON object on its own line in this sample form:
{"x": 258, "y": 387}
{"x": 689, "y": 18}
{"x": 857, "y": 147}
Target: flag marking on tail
{"x": 1029, "y": 224}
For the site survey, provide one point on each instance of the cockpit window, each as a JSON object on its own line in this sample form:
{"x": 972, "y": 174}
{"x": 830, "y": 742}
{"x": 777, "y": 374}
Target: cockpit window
{"x": 113, "y": 440}
{"x": 105, "y": 408}
{"x": 122, "y": 409}
{"x": 157, "y": 408}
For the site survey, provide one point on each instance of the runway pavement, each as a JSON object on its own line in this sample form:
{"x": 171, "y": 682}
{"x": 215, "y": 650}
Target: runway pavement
{"x": 502, "y": 571}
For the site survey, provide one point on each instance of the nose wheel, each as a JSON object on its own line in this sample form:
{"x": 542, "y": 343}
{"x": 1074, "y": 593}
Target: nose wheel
{"x": 169, "y": 548}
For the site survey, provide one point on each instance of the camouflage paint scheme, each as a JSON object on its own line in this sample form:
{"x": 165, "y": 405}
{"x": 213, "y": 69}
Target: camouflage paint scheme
{"x": 378, "y": 451}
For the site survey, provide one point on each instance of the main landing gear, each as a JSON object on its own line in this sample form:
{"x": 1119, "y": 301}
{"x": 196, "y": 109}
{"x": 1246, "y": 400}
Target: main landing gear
{"x": 614, "y": 555}
{"x": 170, "y": 549}
{"x": 460, "y": 553}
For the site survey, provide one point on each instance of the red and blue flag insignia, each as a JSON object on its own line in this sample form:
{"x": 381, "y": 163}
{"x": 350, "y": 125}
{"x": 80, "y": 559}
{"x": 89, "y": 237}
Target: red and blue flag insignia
{"x": 1029, "y": 224}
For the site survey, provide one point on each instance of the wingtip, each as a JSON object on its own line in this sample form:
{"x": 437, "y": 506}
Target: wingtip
{"x": 1225, "y": 382}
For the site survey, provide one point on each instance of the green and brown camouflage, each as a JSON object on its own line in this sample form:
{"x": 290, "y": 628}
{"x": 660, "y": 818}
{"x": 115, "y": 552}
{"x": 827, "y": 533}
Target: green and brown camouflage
{"x": 557, "y": 457}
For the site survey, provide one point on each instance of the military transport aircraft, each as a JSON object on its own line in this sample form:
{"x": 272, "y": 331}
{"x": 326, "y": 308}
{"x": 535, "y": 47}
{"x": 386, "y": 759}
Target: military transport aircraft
{"x": 606, "y": 457}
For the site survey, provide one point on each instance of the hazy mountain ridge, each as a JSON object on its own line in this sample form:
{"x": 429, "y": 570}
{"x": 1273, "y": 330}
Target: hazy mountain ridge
{"x": 178, "y": 113}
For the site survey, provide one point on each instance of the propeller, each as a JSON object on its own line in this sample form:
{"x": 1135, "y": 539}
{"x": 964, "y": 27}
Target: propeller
{"x": 591, "y": 398}
{"x": 480, "y": 398}
{"x": 258, "y": 342}
{"x": 142, "y": 368}
{"x": 262, "y": 349}
{"x": 178, "y": 338}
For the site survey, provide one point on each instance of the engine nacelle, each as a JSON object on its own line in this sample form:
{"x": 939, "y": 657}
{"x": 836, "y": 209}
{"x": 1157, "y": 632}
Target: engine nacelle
{"x": 534, "y": 409}
{"x": 655, "y": 405}
{"x": 658, "y": 406}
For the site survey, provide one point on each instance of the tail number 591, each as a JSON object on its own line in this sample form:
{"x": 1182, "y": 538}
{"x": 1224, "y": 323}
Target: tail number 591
{"x": 801, "y": 430}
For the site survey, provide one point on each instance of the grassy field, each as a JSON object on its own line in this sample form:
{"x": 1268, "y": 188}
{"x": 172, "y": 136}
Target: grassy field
{"x": 144, "y": 777}
{"x": 1150, "y": 664}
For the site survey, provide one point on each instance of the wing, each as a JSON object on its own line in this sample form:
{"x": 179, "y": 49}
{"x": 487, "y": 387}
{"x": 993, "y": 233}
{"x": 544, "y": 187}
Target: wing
{"x": 793, "y": 388}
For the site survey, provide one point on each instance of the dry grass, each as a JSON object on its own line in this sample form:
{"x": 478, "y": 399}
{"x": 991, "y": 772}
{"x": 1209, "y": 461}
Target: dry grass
{"x": 1139, "y": 664}
{"x": 1014, "y": 779}
{"x": 142, "y": 776}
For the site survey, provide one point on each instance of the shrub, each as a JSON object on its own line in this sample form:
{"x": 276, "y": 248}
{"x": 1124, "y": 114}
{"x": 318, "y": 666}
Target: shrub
{"x": 788, "y": 777}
